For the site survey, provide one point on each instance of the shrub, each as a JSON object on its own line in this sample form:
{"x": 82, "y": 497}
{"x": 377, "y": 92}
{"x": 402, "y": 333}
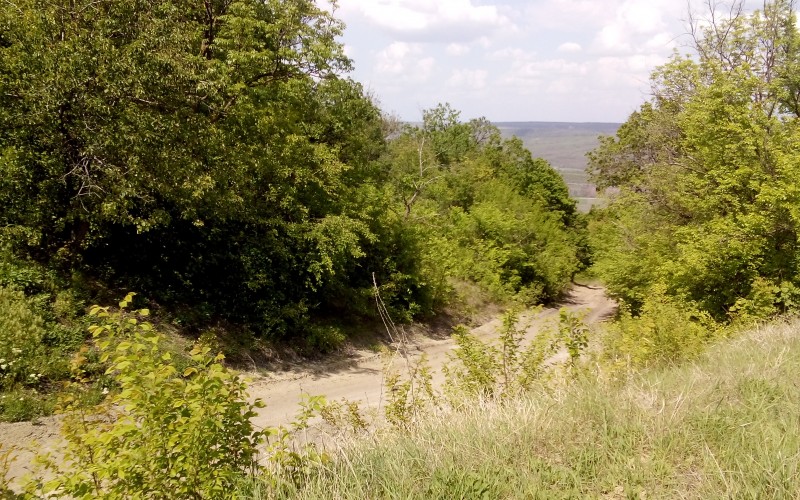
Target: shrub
{"x": 23, "y": 405}
{"x": 761, "y": 303}
{"x": 21, "y": 333}
{"x": 324, "y": 339}
{"x": 574, "y": 334}
{"x": 478, "y": 368}
{"x": 165, "y": 434}
{"x": 666, "y": 330}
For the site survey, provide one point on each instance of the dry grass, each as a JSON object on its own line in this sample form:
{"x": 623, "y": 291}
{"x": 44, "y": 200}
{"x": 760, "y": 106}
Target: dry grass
{"x": 724, "y": 426}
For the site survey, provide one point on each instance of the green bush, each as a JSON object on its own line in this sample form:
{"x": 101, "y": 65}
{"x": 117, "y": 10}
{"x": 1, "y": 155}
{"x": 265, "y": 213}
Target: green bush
{"x": 761, "y": 303}
{"x": 21, "y": 331}
{"x": 665, "y": 330}
{"x": 165, "y": 434}
{"x": 21, "y": 405}
{"x": 477, "y": 368}
{"x": 325, "y": 339}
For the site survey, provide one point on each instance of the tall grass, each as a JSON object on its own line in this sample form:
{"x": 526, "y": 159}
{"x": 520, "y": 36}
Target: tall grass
{"x": 726, "y": 425}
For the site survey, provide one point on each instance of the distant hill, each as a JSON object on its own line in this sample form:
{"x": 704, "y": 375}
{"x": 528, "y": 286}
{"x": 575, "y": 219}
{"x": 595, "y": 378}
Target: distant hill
{"x": 564, "y": 145}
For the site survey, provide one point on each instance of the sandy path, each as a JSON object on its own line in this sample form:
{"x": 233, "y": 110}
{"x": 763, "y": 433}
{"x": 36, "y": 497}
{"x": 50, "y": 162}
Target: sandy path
{"x": 360, "y": 378}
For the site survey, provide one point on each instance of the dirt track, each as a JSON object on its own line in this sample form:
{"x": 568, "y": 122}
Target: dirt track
{"x": 362, "y": 379}
{"x": 359, "y": 379}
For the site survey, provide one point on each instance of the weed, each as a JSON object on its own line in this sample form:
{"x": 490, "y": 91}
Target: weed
{"x": 409, "y": 399}
{"x": 574, "y": 334}
{"x": 6, "y": 458}
{"x": 480, "y": 369}
{"x": 163, "y": 433}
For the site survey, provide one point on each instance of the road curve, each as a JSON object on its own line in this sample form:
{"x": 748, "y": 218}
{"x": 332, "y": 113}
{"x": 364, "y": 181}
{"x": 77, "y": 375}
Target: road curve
{"x": 362, "y": 379}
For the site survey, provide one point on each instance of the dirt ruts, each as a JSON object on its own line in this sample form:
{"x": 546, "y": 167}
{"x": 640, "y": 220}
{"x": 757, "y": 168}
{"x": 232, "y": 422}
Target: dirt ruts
{"x": 362, "y": 379}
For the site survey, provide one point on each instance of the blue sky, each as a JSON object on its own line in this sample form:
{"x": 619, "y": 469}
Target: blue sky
{"x": 512, "y": 60}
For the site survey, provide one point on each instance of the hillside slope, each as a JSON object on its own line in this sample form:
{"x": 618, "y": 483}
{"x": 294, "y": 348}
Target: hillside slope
{"x": 723, "y": 426}
{"x": 359, "y": 377}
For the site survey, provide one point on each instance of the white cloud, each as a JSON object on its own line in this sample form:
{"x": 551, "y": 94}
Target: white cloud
{"x": 511, "y": 53}
{"x": 662, "y": 42}
{"x": 484, "y": 42}
{"x": 638, "y": 26}
{"x": 394, "y": 58}
{"x": 626, "y": 74}
{"x": 423, "y": 69}
{"x": 612, "y": 38}
{"x": 469, "y": 79}
{"x": 641, "y": 16}
{"x": 513, "y": 59}
{"x": 457, "y": 49}
{"x": 567, "y": 14}
{"x": 570, "y": 47}
{"x": 405, "y": 61}
{"x": 426, "y": 20}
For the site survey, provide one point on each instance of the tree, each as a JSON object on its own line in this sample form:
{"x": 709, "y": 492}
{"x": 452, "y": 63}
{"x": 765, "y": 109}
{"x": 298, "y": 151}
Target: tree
{"x": 706, "y": 172}
{"x": 481, "y": 209}
{"x": 201, "y": 151}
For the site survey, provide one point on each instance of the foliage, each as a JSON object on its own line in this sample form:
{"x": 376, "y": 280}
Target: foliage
{"x": 485, "y": 370}
{"x": 324, "y": 339}
{"x": 345, "y": 415}
{"x": 163, "y": 433}
{"x": 33, "y": 356}
{"x": 723, "y": 426}
{"x": 665, "y": 330}
{"x": 288, "y": 461}
{"x": 409, "y": 399}
{"x": 6, "y": 458}
{"x": 26, "y": 405}
{"x": 251, "y": 158}
{"x": 21, "y": 351}
{"x": 706, "y": 175}
{"x": 574, "y": 334}
{"x": 40, "y": 328}
{"x": 481, "y": 210}
{"x": 275, "y": 181}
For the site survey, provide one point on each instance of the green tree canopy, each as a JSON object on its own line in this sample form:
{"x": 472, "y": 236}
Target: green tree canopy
{"x": 706, "y": 174}
{"x": 209, "y": 150}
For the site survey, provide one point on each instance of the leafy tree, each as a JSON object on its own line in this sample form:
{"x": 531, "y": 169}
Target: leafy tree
{"x": 706, "y": 173}
{"x": 213, "y": 154}
{"x": 202, "y": 152}
{"x": 482, "y": 209}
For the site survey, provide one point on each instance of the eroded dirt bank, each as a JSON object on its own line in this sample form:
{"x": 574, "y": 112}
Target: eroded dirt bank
{"x": 362, "y": 379}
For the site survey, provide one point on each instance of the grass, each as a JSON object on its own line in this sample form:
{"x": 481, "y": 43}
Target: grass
{"x": 724, "y": 426}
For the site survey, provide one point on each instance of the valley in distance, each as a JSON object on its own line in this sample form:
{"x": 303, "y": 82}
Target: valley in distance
{"x": 564, "y": 145}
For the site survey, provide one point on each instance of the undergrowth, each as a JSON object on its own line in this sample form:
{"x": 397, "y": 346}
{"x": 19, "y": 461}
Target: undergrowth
{"x": 722, "y": 426}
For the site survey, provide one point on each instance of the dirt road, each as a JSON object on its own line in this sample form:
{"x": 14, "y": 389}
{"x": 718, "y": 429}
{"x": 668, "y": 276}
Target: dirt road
{"x": 362, "y": 379}
{"x": 359, "y": 379}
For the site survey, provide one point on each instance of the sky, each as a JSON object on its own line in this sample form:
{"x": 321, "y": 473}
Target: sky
{"x": 512, "y": 60}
